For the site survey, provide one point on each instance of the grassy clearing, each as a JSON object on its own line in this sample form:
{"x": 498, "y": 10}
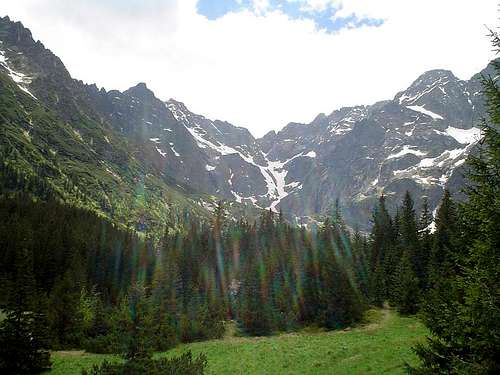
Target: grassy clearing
{"x": 73, "y": 362}
{"x": 381, "y": 346}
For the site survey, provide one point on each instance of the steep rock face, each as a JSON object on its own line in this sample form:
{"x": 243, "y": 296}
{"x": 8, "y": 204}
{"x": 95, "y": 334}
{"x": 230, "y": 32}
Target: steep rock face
{"x": 414, "y": 142}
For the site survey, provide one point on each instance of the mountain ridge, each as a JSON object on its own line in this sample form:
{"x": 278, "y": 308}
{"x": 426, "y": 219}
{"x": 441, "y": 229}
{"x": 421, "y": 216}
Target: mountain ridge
{"x": 416, "y": 141}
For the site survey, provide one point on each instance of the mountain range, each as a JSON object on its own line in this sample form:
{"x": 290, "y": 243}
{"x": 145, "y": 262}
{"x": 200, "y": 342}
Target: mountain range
{"x": 145, "y": 163}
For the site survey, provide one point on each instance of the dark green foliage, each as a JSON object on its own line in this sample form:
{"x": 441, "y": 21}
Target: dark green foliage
{"x": 408, "y": 233}
{"x": 66, "y": 320}
{"x": 341, "y": 304}
{"x": 360, "y": 254}
{"x": 23, "y": 333}
{"x": 410, "y": 271}
{"x": 254, "y": 314}
{"x": 377, "y": 285}
{"x": 292, "y": 278}
{"x": 384, "y": 254}
{"x": 110, "y": 291}
{"x": 443, "y": 260}
{"x": 407, "y": 287}
{"x": 182, "y": 365}
{"x": 425, "y": 238}
{"x": 400, "y": 251}
{"x": 463, "y": 313}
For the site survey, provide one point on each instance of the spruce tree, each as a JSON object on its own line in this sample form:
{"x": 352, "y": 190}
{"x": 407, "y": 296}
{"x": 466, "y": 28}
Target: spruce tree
{"x": 409, "y": 235}
{"x": 425, "y": 239}
{"x": 255, "y": 314}
{"x": 66, "y": 320}
{"x": 341, "y": 303}
{"x": 377, "y": 287}
{"x": 407, "y": 286}
{"x": 446, "y": 240}
{"x": 382, "y": 246}
{"x": 23, "y": 333}
{"x": 466, "y": 324}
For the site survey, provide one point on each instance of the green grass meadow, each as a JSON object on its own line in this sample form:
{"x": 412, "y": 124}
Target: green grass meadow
{"x": 381, "y": 346}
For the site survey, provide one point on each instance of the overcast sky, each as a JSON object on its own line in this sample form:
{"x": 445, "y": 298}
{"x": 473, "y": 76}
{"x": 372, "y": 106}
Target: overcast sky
{"x": 262, "y": 63}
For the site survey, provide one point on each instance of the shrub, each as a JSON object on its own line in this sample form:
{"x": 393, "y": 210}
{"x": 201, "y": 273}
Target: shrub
{"x": 182, "y": 365}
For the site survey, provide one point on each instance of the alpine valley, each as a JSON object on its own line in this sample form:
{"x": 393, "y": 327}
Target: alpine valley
{"x": 144, "y": 162}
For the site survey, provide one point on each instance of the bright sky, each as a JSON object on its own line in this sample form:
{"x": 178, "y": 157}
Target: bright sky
{"x": 262, "y": 63}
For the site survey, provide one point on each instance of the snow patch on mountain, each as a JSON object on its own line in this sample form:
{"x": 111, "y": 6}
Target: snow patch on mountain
{"x": 22, "y": 80}
{"x": 237, "y": 197}
{"x": 464, "y": 136}
{"x": 161, "y": 152}
{"x": 406, "y": 150}
{"x": 421, "y": 109}
{"x": 278, "y": 189}
{"x": 175, "y": 152}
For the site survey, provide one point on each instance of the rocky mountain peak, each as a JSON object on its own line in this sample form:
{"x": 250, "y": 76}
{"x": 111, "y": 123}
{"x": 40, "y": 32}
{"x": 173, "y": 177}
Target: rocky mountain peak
{"x": 140, "y": 91}
{"x": 434, "y": 83}
{"x": 15, "y": 32}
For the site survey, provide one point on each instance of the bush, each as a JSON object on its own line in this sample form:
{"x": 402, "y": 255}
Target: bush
{"x": 22, "y": 348}
{"x": 102, "y": 344}
{"x": 182, "y": 365}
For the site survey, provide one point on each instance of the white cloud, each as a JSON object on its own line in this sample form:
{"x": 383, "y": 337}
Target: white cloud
{"x": 260, "y": 69}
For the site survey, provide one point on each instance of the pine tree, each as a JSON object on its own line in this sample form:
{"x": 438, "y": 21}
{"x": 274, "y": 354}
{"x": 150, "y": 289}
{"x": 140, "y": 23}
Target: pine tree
{"x": 466, "y": 324}
{"x": 340, "y": 301}
{"x": 23, "y": 333}
{"x": 382, "y": 245}
{"x": 446, "y": 241}
{"x": 425, "y": 239}
{"x": 140, "y": 336}
{"x": 310, "y": 286}
{"x": 66, "y": 320}
{"x": 359, "y": 252}
{"x": 255, "y": 313}
{"x": 407, "y": 286}
{"x": 409, "y": 235}
{"x": 377, "y": 287}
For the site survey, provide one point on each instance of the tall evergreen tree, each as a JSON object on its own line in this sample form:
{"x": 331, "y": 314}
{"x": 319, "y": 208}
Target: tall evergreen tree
{"x": 409, "y": 235}
{"x": 446, "y": 240}
{"x": 382, "y": 250}
{"x": 407, "y": 286}
{"x": 425, "y": 239}
{"x": 23, "y": 333}
{"x": 66, "y": 320}
{"x": 466, "y": 324}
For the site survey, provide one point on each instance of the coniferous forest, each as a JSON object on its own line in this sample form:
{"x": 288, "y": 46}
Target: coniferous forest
{"x": 72, "y": 279}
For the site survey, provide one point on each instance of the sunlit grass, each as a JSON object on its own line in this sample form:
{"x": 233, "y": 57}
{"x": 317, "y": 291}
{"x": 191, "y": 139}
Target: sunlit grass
{"x": 381, "y": 346}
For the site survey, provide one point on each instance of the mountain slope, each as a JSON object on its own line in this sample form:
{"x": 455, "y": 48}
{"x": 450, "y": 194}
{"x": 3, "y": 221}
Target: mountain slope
{"x": 55, "y": 141}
